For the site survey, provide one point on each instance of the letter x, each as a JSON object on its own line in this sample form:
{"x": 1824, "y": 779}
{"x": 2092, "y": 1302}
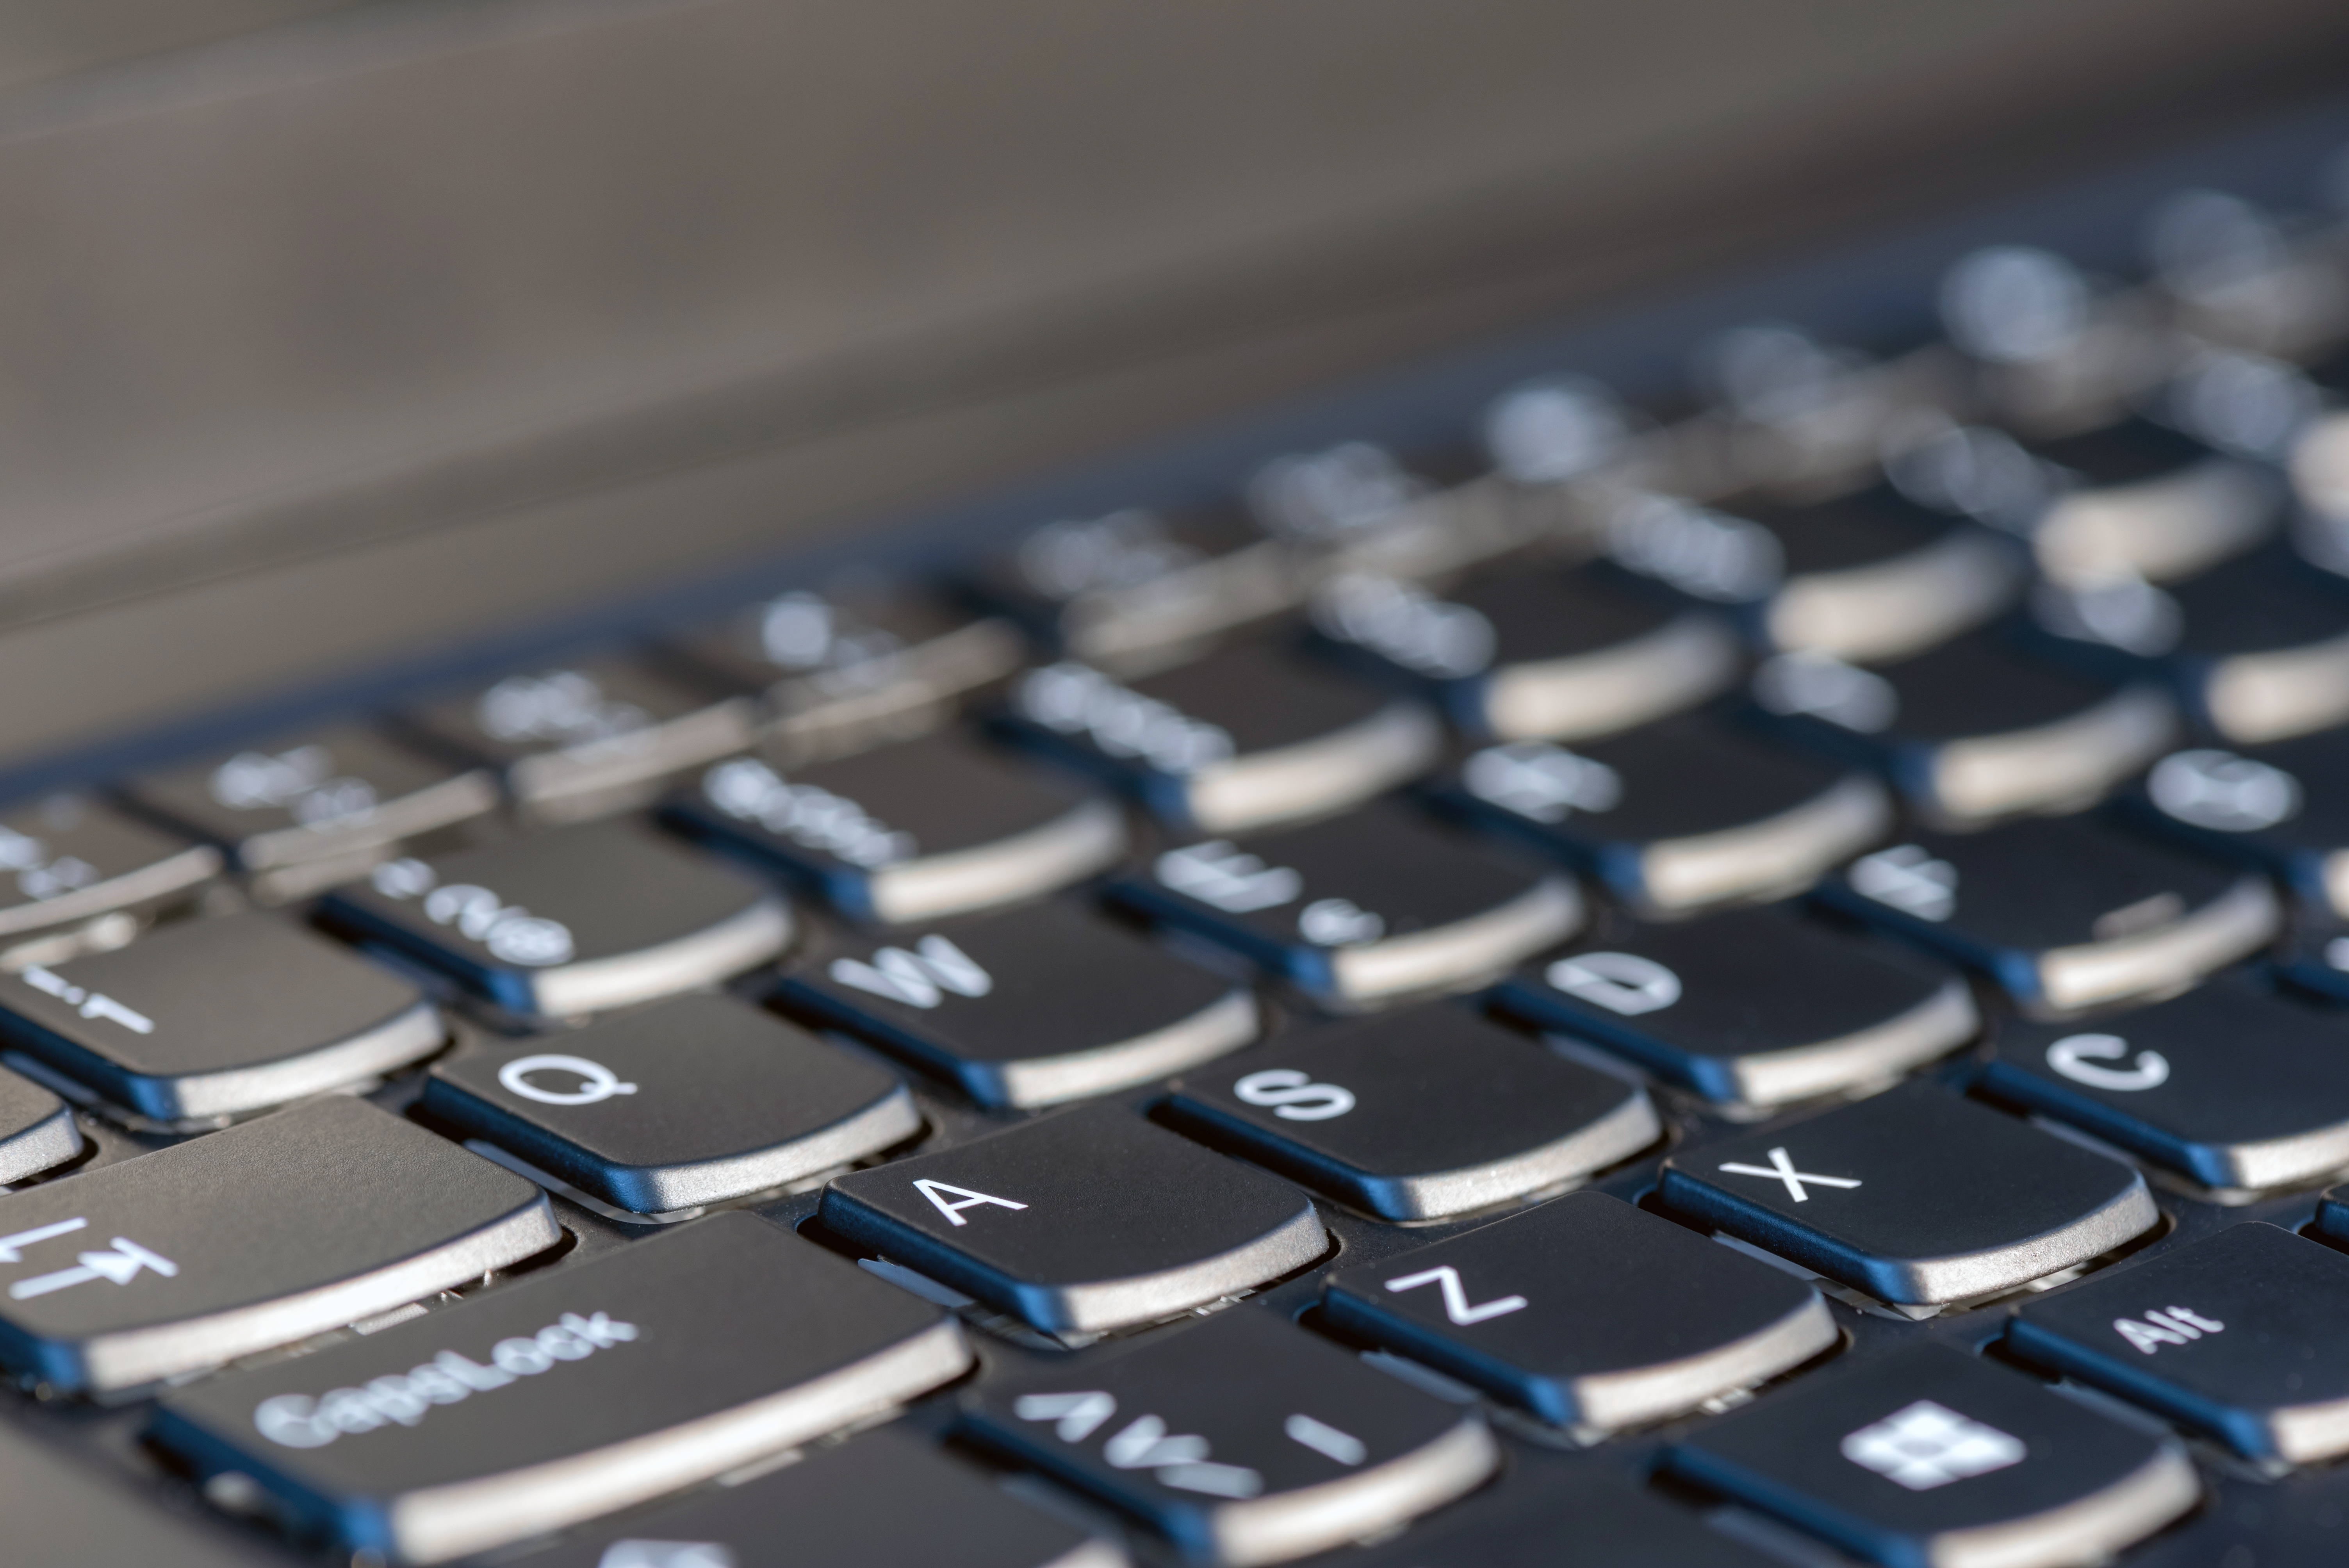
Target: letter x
{"x": 1783, "y": 1170}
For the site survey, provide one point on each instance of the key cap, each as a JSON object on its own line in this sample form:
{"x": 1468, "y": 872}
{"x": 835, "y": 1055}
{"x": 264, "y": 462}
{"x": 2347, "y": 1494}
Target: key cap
{"x": 886, "y": 1501}
{"x": 2238, "y": 1335}
{"x": 694, "y": 1101}
{"x": 1873, "y": 575}
{"x": 1245, "y": 739}
{"x": 1585, "y": 1311}
{"x": 62, "y": 1513}
{"x": 1916, "y": 1196}
{"x": 1417, "y": 1115}
{"x": 36, "y": 1129}
{"x": 2228, "y": 1085}
{"x": 915, "y": 831}
{"x": 1932, "y": 1456}
{"x": 589, "y": 739}
{"x": 1243, "y": 1439}
{"x": 1611, "y": 1523}
{"x": 1974, "y": 730}
{"x": 132, "y": 1272}
{"x": 1680, "y": 815}
{"x": 2136, "y": 499}
{"x": 68, "y": 859}
{"x": 1086, "y": 1221}
{"x": 569, "y": 1395}
{"x": 1367, "y": 908}
{"x": 1751, "y": 1009}
{"x": 1032, "y": 1008}
{"x": 2126, "y": 919}
{"x": 2278, "y": 807}
{"x": 217, "y": 1018}
{"x": 571, "y": 922}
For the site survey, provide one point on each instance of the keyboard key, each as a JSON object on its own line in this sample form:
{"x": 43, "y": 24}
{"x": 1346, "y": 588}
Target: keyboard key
{"x": 64, "y": 1514}
{"x": 914, "y": 832}
{"x": 1245, "y": 739}
{"x": 1753, "y": 1009}
{"x": 1373, "y": 906}
{"x": 1086, "y": 1221}
{"x": 1243, "y": 1441}
{"x": 2136, "y": 499}
{"x": 586, "y": 739}
{"x": 132, "y": 1272}
{"x": 2126, "y": 919}
{"x": 1417, "y": 1115}
{"x": 886, "y": 1501}
{"x": 1679, "y": 815}
{"x": 1974, "y": 730}
{"x": 2279, "y": 807}
{"x": 2239, "y": 1335}
{"x": 1873, "y": 575}
{"x": 698, "y": 1099}
{"x": 1916, "y": 1196}
{"x": 2228, "y": 1085}
{"x": 217, "y": 1018}
{"x": 571, "y": 922}
{"x": 68, "y": 859}
{"x": 1587, "y": 1312}
{"x": 570, "y": 1395}
{"x": 1612, "y": 1524}
{"x": 36, "y": 1129}
{"x": 1032, "y": 1008}
{"x": 1932, "y": 1456}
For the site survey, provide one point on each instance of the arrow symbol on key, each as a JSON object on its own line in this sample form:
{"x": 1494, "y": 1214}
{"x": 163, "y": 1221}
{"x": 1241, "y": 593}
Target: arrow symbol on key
{"x": 1781, "y": 1169}
{"x": 10, "y": 1245}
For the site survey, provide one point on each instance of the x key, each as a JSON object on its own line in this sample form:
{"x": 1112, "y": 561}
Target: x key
{"x": 1782, "y": 1168}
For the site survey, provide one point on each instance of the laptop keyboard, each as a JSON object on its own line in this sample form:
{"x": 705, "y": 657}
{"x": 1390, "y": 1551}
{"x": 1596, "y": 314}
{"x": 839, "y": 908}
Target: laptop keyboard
{"x": 1749, "y": 981}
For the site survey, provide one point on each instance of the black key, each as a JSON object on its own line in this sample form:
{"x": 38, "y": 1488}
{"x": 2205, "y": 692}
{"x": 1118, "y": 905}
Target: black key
{"x": 1753, "y": 1009}
{"x": 62, "y": 1514}
{"x": 1611, "y": 1523}
{"x": 914, "y": 832}
{"x": 694, "y": 1100}
{"x": 1916, "y": 1196}
{"x": 1032, "y": 1007}
{"x": 1974, "y": 730}
{"x": 1679, "y": 815}
{"x": 1244, "y": 738}
{"x": 1417, "y": 1115}
{"x": 1243, "y": 1441}
{"x": 1374, "y": 905}
{"x": 588, "y": 739}
{"x": 218, "y": 1018}
{"x": 68, "y": 859}
{"x": 324, "y": 1214}
{"x": 2284, "y": 808}
{"x": 2239, "y": 1335}
{"x": 1588, "y": 1313}
{"x": 36, "y": 1129}
{"x": 570, "y": 1395}
{"x": 571, "y": 922}
{"x": 2136, "y": 499}
{"x": 1934, "y": 1457}
{"x": 885, "y": 1500}
{"x": 1086, "y": 1221}
{"x": 2126, "y": 919}
{"x": 2228, "y": 1085}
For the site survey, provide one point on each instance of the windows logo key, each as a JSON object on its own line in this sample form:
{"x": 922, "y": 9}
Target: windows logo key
{"x": 1925, "y": 1445}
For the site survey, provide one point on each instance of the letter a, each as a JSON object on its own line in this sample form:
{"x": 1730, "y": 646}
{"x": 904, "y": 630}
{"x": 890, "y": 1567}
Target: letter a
{"x": 969, "y": 1200}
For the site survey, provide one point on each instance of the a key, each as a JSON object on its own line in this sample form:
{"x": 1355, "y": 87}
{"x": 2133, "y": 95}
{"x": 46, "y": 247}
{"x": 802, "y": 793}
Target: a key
{"x": 1932, "y": 1456}
{"x": 1680, "y": 815}
{"x": 1974, "y": 730}
{"x": 570, "y": 1395}
{"x": 218, "y": 1018}
{"x": 886, "y": 1501}
{"x": 694, "y": 1101}
{"x": 1031, "y": 1007}
{"x": 570, "y": 921}
{"x": 1243, "y": 1439}
{"x": 1244, "y": 738}
{"x": 132, "y": 1272}
{"x": 1612, "y": 1524}
{"x": 67, "y": 859}
{"x": 1371, "y": 906}
{"x": 1086, "y": 1221}
{"x": 2126, "y": 919}
{"x": 2279, "y": 807}
{"x": 36, "y": 1129}
{"x": 2228, "y": 1083}
{"x": 2137, "y": 499}
{"x": 919, "y": 831}
{"x": 1751, "y": 1009}
{"x": 64, "y": 1514}
{"x": 586, "y": 739}
{"x": 1587, "y": 1312}
{"x": 1417, "y": 1115}
{"x": 2239, "y": 1335}
{"x": 1916, "y": 1196}
{"x": 332, "y": 795}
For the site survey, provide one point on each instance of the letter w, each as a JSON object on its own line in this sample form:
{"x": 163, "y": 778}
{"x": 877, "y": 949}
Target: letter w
{"x": 919, "y": 978}
{"x": 1456, "y": 1299}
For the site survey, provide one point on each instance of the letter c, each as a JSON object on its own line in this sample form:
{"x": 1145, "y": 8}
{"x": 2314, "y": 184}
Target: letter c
{"x": 2076, "y": 1055}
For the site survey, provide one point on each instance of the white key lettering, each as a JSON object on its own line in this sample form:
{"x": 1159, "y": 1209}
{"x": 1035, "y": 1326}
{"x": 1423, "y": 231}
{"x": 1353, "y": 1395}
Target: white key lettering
{"x": 1457, "y": 1307}
{"x": 1075, "y": 1416}
{"x": 634, "y": 1553}
{"x": 598, "y": 1083}
{"x": 12, "y": 1247}
{"x": 1217, "y": 873}
{"x": 1542, "y": 782}
{"x": 1326, "y": 1439}
{"x": 511, "y": 932}
{"x": 966, "y": 1199}
{"x": 752, "y": 791}
{"x": 918, "y": 979}
{"x": 1623, "y": 983}
{"x": 1071, "y": 698}
{"x": 124, "y": 1264}
{"x": 1339, "y": 923}
{"x": 2076, "y": 1055}
{"x": 88, "y": 1004}
{"x": 1294, "y": 1096}
{"x": 1926, "y": 1445}
{"x": 1781, "y": 1169}
{"x": 1908, "y": 879}
{"x": 2169, "y": 1326}
{"x": 2223, "y": 791}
